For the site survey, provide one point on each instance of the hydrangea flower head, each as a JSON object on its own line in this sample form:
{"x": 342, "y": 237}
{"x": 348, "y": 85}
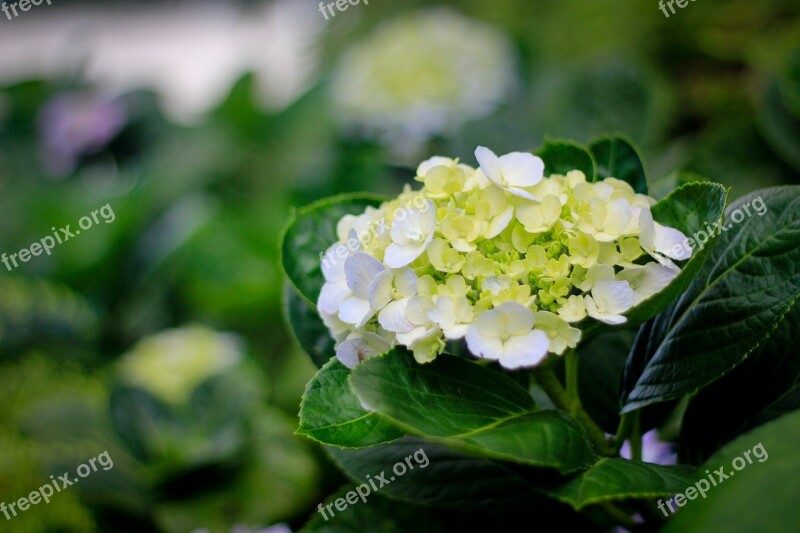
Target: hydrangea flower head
{"x": 422, "y": 75}
{"x": 171, "y": 364}
{"x": 512, "y": 262}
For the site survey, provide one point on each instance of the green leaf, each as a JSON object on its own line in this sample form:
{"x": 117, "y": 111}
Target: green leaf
{"x": 561, "y": 156}
{"x": 331, "y": 413}
{"x": 311, "y": 232}
{"x": 470, "y": 407}
{"x": 374, "y": 514}
{"x": 761, "y": 495}
{"x": 745, "y": 288}
{"x": 139, "y": 419}
{"x": 452, "y": 479}
{"x": 378, "y": 513}
{"x": 620, "y": 479}
{"x": 308, "y": 327}
{"x": 617, "y": 157}
{"x": 720, "y": 412}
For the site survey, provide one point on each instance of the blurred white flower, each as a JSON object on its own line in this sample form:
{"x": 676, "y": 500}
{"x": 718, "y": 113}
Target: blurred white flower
{"x": 423, "y": 75}
{"x": 191, "y": 55}
{"x": 172, "y": 363}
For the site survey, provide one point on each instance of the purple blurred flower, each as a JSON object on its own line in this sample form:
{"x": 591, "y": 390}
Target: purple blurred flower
{"x": 654, "y": 450}
{"x": 73, "y": 125}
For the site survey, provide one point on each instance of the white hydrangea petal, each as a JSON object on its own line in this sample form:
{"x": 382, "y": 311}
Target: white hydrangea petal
{"x": 647, "y": 230}
{"x": 355, "y": 350}
{"x": 428, "y": 218}
{"x": 647, "y": 280}
{"x": 517, "y": 318}
{"x": 525, "y": 351}
{"x": 398, "y": 256}
{"x": 481, "y": 346}
{"x": 614, "y": 297}
{"x": 490, "y": 165}
{"x": 332, "y": 265}
{"x": 456, "y": 331}
{"x": 405, "y": 281}
{"x": 356, "y": 311}
{"x": 516, "y": 191}
{"x": 500, "y": 222}
{"x": 393, "y": 317}
{"x": 415, "y": 335}
{"x": 618, "y": 216}
{"x": 672, "y": 243}
{"x": 539, "y": 217}
{"x": 380, "y": 290}
{"x": 360, "y": 269}
{"x": 607, "y": 318}
{"x": 435, "y": 161}
{"x": 331, "y": 296}
{"x": 521, "y": 169}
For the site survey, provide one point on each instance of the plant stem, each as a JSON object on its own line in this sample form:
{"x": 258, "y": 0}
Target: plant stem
{"x": 636, "y": 437}
{"x": 551, "y": 384}
{"x": 571, "y": 360}
{"x": 618, "y": 514}
{"x": 624, "y": 429}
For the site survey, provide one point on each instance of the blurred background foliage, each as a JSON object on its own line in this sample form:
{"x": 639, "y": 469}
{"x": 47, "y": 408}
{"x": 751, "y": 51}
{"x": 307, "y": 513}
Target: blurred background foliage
{"x": 186, "y": 278}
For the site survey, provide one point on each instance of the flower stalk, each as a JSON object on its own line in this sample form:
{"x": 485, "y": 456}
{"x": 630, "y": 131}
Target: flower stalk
{"x": 570, "y": 402}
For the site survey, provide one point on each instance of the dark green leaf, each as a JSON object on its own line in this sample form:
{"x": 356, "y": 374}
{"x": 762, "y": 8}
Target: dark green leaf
{"x": 331, "y": 413}
{"x": 745, "y": 288}
{"x": 472, "y": 407}
{"x": 617, "y": 157}
{"x": 760, "y": 493}
{"x": 561, "y": 157}
{"x": 620, "y": 479}
{"x": 453, "y": 479}
{"x": 720, "y": 412}
{"x": 307, "y": 326}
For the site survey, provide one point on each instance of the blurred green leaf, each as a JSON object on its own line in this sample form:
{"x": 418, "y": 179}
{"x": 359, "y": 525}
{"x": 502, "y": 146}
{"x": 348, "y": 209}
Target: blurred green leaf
{"x": 780, "y": 127}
